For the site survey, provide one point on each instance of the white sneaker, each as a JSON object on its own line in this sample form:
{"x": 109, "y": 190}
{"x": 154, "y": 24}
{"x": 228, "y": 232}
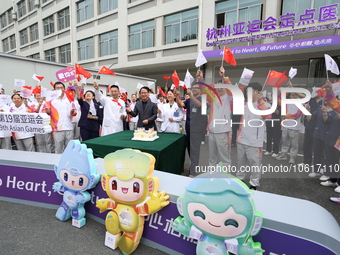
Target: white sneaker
{"x": 267, "y": 153}
{"x": 313, "y": 175}
{"x": 324, "y": 178}
{"x": 335, "y": 199}
{"x": 274, "y": 155}
{"x": 337, "y": 189}
{"x": 329, "y": 184}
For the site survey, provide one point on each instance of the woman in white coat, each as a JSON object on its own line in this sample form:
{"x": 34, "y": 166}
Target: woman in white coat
{"x": 172, "y": 115}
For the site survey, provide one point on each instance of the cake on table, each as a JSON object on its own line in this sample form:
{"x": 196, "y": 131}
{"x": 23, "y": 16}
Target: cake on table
{"x": 145, "y": 135}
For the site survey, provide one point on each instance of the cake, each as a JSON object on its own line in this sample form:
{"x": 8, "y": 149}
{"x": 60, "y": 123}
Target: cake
{"x": 145, "y": 135}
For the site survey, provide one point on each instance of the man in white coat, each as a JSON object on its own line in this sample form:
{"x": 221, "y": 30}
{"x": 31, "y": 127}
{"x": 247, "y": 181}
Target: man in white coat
{"x": 114, "y": 110}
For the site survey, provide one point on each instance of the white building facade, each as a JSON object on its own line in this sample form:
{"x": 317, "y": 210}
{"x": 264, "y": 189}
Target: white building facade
{"x": 152, "y": 38}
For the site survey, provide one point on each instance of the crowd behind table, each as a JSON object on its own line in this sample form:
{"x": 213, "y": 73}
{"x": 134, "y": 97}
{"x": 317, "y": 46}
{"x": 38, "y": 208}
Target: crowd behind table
{"x": 92, "y": 114}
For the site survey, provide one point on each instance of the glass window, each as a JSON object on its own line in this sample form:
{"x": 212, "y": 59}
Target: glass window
{"x": 234, "y": 11}
{"x": 35, "y": 56}
{"x": 10, "y": 11}
{"x": 141, "y": 35}
{"x": 30, "y": 4}
{"x": 34, "y": 33}
{"x": 181, "y": 26}
{"x": 23, "y": 36}
{"x": 299, "y": 7}
{"x": 50, "y": 55}
{"x": 85, "y": 49}
{"x": 5, "y": 46}
{"x": 3, "y": 20}
{"x": 109, "y": 43}
{"x": 12, "y": 42}
{"x": 107, "y": 5}
{"x": 131, "y": 1}
{"x": 48, "y": 25}
{"x": 63, "y": 19}
{"x": 84, "y": 10}
{"x": 65, "y": 54}
{"x": 21, "y": 8}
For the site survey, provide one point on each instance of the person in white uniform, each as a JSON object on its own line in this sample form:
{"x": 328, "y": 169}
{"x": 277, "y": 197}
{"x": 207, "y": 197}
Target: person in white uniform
{"x": 172, "y": 115}
{"x": 114, "y": 110}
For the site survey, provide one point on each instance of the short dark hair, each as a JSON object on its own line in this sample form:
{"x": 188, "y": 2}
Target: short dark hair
{"x": 114, "y": 86}
{"x": 90, "y": 91}
{"x": 15, "y": 94}
{"x": 145, "y": 87}
{"x": 255, "y": 86}
{"x": 57, "y": 83}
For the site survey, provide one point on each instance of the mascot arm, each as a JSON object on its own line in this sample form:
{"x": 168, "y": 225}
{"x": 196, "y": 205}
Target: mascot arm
{"x": 181, "y": 226}
{"x": 83, "y": 197}
{"x": 58, "y": 186}
{"x": 105, "y": 204}
{"x": 250, "y": 248}
{"x": 157, "y": 201}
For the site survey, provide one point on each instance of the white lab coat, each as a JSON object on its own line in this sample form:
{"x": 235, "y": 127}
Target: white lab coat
{"x": 112, "y": 122}
{"x": 168, "y": 112}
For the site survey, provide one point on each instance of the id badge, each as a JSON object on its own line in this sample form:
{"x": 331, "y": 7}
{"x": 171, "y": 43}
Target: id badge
{"x": 176, "y": 114}
{"x": 194, "y": 109}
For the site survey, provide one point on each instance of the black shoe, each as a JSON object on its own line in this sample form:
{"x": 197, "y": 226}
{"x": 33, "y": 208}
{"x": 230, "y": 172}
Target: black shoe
{"x": 252, "y": 187}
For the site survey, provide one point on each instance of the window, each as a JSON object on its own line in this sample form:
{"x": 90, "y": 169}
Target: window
{"x": 21, "y": 8}
{"x": 50, "y": 55}
{"x": 131, "y": 1}
{"x": 299, "y": 7}
{"x": 65, "y": 54}
{"x": 107, "y": 5}
{"x": 5, "y": 46}
{"x": 10, "y": 19}
{"x": 34, "y": 33}
{"x": 23, "y": 36}
{"x": 48, "y": 25}
{"x": 109, "y": 43}
{"x": 141, "y": 35}
{"x": 35, "y": 56}
{"x": 84, "y": 10}
{"x": 236, "y": 11}
{"x": 30, "y": 5}
{"x": 63, "y": 19}
{"x": 3, "y": 20}
{"x": 85, "y": 49}
{"x": 181, "y": 26}
{"x": 12, "y": 42}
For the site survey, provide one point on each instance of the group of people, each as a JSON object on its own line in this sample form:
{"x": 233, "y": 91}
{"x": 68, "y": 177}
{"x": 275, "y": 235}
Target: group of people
{"x": 95, "y": 114}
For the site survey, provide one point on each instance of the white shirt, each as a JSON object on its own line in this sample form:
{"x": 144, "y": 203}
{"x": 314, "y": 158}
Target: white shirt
{"x": 290, "y": 123}
{"x": 221, "y": 112}
{"x": 112, "y": 122}
{"x": 63, "y": 118}
{"x": 20, "y": 135}
{"x": 133, "y": 119}
{"x": 253, "y": 134}
{"x": 169, "y": 112}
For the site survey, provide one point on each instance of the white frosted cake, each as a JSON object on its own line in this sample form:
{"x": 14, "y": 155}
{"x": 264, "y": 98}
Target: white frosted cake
{"x": 145, "y": 135}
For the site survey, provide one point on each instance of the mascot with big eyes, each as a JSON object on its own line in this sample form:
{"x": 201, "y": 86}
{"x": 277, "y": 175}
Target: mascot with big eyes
{"x": 76, "y": 173}
{"x": 133, "y": 194}
{"x": 218, "y": 211}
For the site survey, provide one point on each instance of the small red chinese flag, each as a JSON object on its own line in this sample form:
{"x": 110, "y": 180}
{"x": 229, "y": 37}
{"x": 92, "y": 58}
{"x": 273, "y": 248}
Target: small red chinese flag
{"x": 228, "y": 56}
{"x": 160, "y": 92}
{"x": 70, "y": 95}
{"x": 108, "y": 88}
{"x": 78, "y": 77}
{"x": 82, "y": 71}
{"x": 52, "y": 84}
{"x": 105, "y": 70}
{"x": 276, "y": 79}
{"x": 166, "y": 77}
{"x": 321, "y": 92}
{"x": 175, "y": 79}
{"x": 36, "y": 90}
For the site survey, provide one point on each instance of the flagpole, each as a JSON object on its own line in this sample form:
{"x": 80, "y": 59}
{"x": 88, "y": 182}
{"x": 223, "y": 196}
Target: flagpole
{"x": 223, "y": 57}
{"x": 266, "y": 80}
{"x": 327, "y": 74}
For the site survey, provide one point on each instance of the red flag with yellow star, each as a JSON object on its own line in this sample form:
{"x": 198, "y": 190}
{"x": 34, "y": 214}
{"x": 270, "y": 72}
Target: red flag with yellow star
{"x": 228, "y": 56}
{"x": 82, "y": 71}
{"x": 105, "y": 70}
{"x": 276, "y": 79}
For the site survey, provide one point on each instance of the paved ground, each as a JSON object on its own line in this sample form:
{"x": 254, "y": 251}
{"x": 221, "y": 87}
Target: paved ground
{"x": 34, "y": 230}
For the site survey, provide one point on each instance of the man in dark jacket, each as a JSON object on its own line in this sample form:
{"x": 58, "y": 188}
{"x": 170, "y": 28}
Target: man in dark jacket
{"x": 145, "y": 109}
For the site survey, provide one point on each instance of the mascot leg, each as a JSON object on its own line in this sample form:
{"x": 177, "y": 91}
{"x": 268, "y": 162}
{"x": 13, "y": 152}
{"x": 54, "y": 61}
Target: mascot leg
{"x": 63, "y": 212}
